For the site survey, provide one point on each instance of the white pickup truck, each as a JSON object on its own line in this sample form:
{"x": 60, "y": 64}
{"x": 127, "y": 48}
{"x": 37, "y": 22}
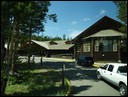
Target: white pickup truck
{"x": 115, "y": 73}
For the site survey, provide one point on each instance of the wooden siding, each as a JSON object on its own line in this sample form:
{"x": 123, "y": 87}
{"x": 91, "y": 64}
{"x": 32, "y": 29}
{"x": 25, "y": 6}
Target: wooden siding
{"x": 102, "y": 56}
{"x": 106, "y": 56}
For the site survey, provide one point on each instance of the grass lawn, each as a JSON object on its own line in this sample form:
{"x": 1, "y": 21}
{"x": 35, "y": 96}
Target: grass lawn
{"x": 35, "y": 80}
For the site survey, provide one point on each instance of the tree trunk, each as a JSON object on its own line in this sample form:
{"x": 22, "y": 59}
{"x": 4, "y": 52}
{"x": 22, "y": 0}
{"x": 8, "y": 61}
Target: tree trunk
{"x": 9, "y": 61}
{"x": 3, "y": 53}
{"x": 7, "y": 51}
{"x": 13, "y": 62}
{"x": 14, "y": 58}
{"x": 3, "y": 49}
{"x": 29, "y": 50}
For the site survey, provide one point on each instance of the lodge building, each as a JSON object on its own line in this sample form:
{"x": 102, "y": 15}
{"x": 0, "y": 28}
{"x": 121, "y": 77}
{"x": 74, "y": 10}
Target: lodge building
{"x": 102, "y": 41}
{"x": 61, "y": 48}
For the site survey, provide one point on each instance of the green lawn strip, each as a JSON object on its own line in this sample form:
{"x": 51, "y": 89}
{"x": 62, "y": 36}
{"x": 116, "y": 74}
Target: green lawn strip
{"x": 67, "y": 84}
{"x": 36, "y": 82}
{"x": 69, "y": 87}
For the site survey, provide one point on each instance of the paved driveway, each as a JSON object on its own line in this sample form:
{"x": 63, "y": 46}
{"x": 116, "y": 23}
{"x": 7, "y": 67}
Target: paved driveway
{"x": 84, "y": 82}
{"x": 83, "y": 79}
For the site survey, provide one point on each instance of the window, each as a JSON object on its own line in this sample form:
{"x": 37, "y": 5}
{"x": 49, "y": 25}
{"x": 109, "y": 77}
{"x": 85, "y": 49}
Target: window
{"x": 52, "y": 43}
{"x": 110, "y": 68}
{"x": 96, "y": 48}
{"x": 105, "y": 44}
{"x": 122, "y": 69}
{"x": 105, "y": 67}
{"x": 96, "y": 45}
{"x": 78, "y": 48}
{"x": 86, "y": 47}
{"x": 100, "y": 46}
{"x": 114, "y": 45}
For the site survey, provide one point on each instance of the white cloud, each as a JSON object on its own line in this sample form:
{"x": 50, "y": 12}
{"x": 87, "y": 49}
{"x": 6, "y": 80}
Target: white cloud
{"x": 86, "y": 19}
{"x": 74, "y": 22}
{"x": 102, "y": 12}
{"x": 74, "y": 33}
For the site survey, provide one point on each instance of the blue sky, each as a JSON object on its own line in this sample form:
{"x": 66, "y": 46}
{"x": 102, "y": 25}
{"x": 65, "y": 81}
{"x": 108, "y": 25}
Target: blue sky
{"x": 76, "y": 16}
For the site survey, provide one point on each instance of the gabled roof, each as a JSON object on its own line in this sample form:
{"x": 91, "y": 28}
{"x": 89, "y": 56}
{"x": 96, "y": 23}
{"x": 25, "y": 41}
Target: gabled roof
{"x": 102, "y": 24}
{"x": 57, "y": 45}
{"x": 43, "y": 44}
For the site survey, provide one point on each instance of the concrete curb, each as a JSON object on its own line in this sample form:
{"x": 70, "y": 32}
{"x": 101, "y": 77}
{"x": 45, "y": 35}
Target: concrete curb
{"x": 69, "y": 87}
{"x": 96, "y": 66}
{"x": 66, "y": 60}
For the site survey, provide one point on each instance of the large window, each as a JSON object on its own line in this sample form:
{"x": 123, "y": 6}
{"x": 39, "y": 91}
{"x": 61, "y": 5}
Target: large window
{"x": 86, "y": 47}
{"x": 105, "y": 45}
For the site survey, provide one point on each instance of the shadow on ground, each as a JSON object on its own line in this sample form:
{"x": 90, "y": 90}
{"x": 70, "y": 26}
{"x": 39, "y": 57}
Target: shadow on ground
{"x": 75, "y": 72}
{"x": 76, "y": 90}
{"x": 72, "y": 71}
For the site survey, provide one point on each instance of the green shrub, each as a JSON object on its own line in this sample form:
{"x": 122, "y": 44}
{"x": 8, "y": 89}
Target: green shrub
{"x": 21, "y": 77}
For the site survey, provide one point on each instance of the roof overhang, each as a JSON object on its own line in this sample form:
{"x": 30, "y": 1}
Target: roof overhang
{"x": 60, "y": 45}
{"x": 106, "y": 33}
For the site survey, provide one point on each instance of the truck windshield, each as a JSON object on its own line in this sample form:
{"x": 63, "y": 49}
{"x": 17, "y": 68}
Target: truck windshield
{"x": 122, "y": 69}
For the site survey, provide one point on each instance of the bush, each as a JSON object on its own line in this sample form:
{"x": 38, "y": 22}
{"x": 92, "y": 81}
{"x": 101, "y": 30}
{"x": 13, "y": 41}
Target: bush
{"x": 21, "y": 77}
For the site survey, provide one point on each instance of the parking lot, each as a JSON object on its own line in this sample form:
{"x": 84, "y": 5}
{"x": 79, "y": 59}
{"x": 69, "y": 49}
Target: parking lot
{"x": 83, "y": 79}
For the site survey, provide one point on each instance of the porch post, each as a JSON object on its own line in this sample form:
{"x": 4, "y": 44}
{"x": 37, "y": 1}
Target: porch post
{"x": 75, "y": 51}
{"x": 119, "y": 56}
{"x": 92, "y": 47}
{"x": 81, "y": 48}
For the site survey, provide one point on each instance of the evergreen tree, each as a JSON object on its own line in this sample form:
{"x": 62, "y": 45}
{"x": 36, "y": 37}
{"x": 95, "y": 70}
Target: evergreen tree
{"x": 122, "y": 14}
{"x": 19, "y": 19}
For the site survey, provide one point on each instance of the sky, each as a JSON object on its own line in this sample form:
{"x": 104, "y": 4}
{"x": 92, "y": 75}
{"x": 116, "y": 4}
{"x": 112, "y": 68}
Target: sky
{"x": 76, "y": 16}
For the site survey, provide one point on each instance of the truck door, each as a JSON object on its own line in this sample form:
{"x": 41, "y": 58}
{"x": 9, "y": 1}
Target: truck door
{"x": 104, "y": 69}
{"x": 109, "y": 73}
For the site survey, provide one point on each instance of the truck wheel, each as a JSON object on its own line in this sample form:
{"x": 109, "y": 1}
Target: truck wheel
{"x": 99, "y": 76}
{"x": 123, "y": 90}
